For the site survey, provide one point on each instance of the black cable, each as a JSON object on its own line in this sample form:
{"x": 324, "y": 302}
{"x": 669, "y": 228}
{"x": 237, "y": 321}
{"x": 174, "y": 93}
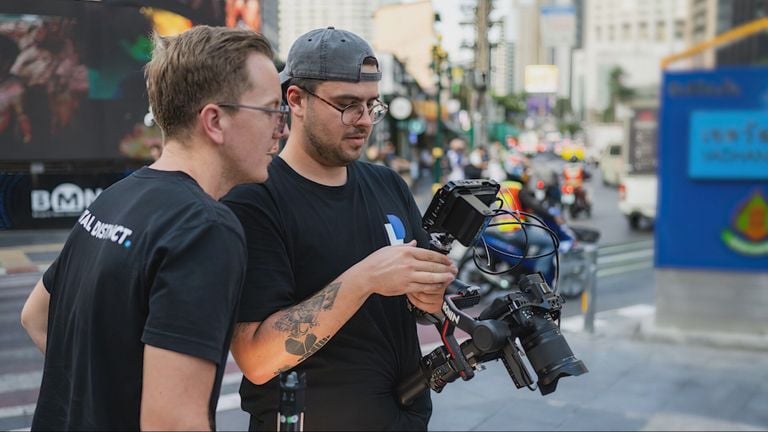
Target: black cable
{"x": 539, "y": 223}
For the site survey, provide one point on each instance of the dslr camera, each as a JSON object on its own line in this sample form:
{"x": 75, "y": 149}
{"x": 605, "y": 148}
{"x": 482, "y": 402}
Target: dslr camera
{"x": 461, "y": 210}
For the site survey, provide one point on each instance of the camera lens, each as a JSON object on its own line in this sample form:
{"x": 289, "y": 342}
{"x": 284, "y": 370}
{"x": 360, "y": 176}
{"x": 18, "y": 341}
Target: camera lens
{"x": 550, "y": 355}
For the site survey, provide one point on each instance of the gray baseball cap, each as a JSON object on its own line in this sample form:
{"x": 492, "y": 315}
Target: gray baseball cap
{"x": 329, "y": 54}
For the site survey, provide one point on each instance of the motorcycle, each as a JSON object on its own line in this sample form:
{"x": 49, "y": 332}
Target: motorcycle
{"x": 505, "y": 258}
{"x": 547, "y": 194}
{"x": 574, "y": 200}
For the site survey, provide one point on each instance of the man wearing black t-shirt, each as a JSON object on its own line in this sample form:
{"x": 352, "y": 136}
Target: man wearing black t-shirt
{"x": 332, "y": 256}
{"x": 136, "y": 314}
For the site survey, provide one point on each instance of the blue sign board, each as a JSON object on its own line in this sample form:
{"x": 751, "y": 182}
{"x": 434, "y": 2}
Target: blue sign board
{"x": 728, "y": 144}
{"x": 713, "y": 170}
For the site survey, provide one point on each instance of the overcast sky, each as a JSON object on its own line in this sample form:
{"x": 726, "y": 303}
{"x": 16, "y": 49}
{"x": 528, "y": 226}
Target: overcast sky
{"x": 451, "y": 15}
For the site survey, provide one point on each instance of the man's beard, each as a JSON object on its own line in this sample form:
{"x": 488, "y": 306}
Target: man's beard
{"x": 328, "y": 153}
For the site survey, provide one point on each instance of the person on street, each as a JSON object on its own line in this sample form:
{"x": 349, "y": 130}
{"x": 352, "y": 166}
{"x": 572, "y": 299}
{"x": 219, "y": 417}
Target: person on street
{"x": 332, "y": 256}
{"x": 136, "y": 314}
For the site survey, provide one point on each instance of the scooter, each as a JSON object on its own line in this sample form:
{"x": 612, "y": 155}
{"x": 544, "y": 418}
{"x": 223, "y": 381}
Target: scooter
{"x": 505, "y": 257}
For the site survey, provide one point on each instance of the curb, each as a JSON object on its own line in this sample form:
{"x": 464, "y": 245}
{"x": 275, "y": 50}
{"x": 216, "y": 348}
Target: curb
{"x": 648, "y": 330}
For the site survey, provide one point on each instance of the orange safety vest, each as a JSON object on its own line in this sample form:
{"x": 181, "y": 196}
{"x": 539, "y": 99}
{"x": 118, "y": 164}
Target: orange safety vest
{"x": 573, "y": 174}
{"x": 510, "y": 195}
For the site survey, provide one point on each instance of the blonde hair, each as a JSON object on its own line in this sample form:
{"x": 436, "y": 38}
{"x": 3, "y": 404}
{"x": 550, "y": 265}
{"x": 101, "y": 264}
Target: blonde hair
{"x": 202, "y": 65}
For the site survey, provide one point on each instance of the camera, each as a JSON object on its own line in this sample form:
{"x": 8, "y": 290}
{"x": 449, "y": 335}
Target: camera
{"x": 461, "y": 210}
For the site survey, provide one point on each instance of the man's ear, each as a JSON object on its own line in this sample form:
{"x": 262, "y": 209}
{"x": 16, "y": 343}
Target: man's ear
{"x": 211, "y": 120}
{"x": 295, "y": 99}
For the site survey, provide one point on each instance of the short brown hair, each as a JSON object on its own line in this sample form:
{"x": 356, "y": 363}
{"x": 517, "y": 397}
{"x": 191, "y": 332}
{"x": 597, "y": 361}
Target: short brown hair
{"x": 202, "y": 65}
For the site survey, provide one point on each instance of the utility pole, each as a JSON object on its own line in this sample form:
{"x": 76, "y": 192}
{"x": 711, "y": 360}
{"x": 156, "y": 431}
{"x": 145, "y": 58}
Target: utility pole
{"x": 482, "y": 70}
{"x": 438, "y": 57}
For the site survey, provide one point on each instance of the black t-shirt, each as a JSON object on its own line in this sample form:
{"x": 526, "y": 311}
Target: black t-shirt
{"x": 154, "y": 260}
{"x": 301, "y": 235}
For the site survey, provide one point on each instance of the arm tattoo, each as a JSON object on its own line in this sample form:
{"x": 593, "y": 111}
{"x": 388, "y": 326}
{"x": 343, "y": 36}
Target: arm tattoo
{"x": 313, "y": 349}
{"x": 299, "y": 320}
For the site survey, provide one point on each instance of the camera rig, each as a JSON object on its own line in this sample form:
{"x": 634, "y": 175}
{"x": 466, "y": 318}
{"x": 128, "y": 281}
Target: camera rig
{"x": 460, "y": 210}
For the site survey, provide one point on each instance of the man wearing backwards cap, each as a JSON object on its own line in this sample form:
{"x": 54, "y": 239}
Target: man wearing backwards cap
{"x": 332, "y": 256}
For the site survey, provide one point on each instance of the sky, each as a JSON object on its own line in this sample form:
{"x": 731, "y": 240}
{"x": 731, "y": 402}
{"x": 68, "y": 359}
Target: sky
{"x": 451, "y": 14}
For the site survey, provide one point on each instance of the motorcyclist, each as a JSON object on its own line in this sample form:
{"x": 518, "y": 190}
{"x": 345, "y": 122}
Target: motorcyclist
{"x": 518, "y": 197}
{"x": 574, "y": 175}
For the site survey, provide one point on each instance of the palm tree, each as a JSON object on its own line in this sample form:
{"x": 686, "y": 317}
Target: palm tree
{"x": 618, "y": 93}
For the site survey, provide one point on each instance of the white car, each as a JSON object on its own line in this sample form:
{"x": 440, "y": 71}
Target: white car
{"x": 637, "y": 199}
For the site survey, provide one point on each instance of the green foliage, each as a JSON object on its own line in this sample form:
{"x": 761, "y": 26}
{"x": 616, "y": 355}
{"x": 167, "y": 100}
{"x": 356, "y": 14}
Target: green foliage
{"x": 617, "y": 93}
{"x": 513, "y": 103}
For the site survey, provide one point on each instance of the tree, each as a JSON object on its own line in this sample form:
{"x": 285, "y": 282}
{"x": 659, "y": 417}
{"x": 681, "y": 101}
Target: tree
{"x": 617, "y": 93}
{"x": 513, "y": 103}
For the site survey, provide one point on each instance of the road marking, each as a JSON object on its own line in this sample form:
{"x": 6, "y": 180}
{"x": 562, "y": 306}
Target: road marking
{"x": 610, "y": 249}
{"x": 606, "y": 260}
{"x": 624, "y": 269}
{"x": 12, "y": 382}
{"x": 17, "y": 411}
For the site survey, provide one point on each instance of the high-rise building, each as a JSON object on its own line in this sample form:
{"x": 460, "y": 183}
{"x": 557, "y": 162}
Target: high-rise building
{"x": 633, "y": 35}
{"x": 269, "y": 23}
{"x": 297, "y": 17}
{"x": 528, "y": 47}
{"x": 407, "y": 31}
{"x": 702, "y": 26}
{"x": 502, "y": 63}
{"x": 754, "y": 48}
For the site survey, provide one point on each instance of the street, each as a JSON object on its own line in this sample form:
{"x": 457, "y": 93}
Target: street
{"x": 624, "y": 269}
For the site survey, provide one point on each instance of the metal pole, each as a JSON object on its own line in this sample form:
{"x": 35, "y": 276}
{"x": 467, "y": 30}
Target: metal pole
{"x": 589, "y": 294}
{"x": 438, "y": 56}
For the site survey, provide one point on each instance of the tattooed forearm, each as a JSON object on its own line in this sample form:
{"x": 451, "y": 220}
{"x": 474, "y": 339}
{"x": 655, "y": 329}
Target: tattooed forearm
{"x": 330, "y": 295}
{"x": 297, "y": 320}
{"x": 295, "y": 347}
{"x": 285, "y": 368}
{"x": 306, "y": 348}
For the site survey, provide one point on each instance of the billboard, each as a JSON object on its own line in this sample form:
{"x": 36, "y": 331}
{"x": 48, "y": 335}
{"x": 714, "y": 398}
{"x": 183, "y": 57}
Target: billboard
{"x": 558, "y": 25}
{"x": 541, "y": 79}
{"x": 713, "y": 177}
{"x": 71, "y": 73}
{"x": 643, "y": 126}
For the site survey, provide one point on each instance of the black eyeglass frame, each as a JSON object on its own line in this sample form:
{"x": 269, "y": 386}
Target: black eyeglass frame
{"x": 342, "y": 110}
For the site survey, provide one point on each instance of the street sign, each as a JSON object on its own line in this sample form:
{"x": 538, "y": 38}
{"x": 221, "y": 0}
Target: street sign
{"x": 713, "y": 172}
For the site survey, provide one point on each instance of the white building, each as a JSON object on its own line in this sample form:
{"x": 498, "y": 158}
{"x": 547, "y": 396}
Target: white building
{"x": 300, "y": 16}
{"x": 502, "y": 63}
{"x": 634, "y": 35}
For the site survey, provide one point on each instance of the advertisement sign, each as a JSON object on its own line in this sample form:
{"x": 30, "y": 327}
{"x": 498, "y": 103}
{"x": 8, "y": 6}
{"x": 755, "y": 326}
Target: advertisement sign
{"x": 642, "y": 141}
{"x": 48, "y": 201}
{"x": 728, "y": 144}
{"x": 71, "y": 72}
{"x": 558, "y": 25}
{"x": 541, "y": 79}
{"x": 713, "y": 211}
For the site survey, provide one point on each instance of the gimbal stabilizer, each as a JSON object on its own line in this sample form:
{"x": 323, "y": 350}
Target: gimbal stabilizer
{"x": 460, "y": 210}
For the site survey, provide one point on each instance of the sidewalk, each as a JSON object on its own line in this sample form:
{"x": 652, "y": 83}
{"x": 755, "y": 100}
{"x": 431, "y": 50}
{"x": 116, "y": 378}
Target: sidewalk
{"x": 29, "y": 251}
{"x": 635, "y": 382}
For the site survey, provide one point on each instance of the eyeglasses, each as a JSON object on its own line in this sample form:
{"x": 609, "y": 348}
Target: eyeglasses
{"x": 282, "y": 110}
{"x": 352, "y": 113}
